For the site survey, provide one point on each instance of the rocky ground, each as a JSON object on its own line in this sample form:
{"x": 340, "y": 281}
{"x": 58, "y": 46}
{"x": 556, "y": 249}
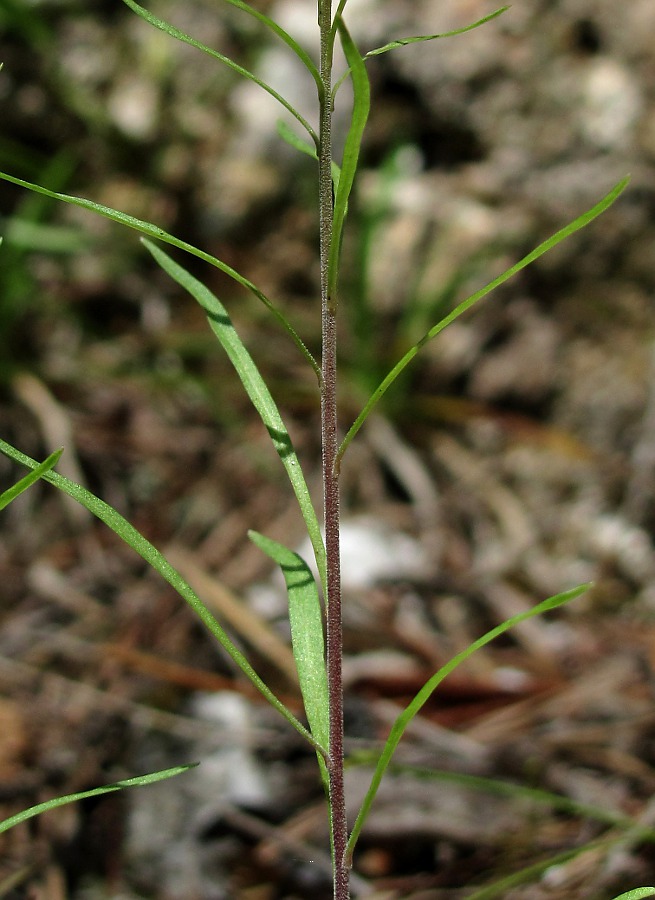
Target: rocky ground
{"x": 513, "y": 461}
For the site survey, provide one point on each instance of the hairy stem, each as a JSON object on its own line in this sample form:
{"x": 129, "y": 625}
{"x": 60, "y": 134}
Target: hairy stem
{"x": 338, "y": 821}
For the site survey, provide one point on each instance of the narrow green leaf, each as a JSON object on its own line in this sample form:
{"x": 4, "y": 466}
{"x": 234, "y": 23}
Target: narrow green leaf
{"x": 302, "y": 55}
{"x": 246, "y": 73}
{"x": 138, "y": 781}
{"x": 501, "y": 788}
{"x": 335, "y": 24}
{"x": 160, "y": 564}
{"x": 546, "y": 245}
{"x": 359, "y": 117}
{"x": 256, "y": 388}
{"x": 154, "y": 231}
{"x": 414, "y": 707}
{"x": 11, "y": 493}
{"x": 289, "y": 135}
{"x": 307, "y": 639}
{"x": 403, "y": 42}
{"x": 499, "y": 889}
{"x": 637, "y": 894}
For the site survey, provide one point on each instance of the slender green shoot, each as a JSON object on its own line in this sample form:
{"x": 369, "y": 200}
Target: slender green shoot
{"x": 257, "y": 390}
{"x": 138, "y": 781}
{"x": 359, "y": 117}
{"x": 413, "y": 708}
{"x": 499, "y": 888}
{"x": 637, "y": 894}
{"x": 302, "y": 54}
{"x": 17, "y": 489}
{"x": 495, "y": 786}
{"x": 465, "y": 305}
{"x": 153, "y": 231}
{"x": 160, "y": 564}
{"x": 246, "y": 73}
{"x": 404, "y": 42}
{"x": 307, "y": 636}
{"x": 293, "y": 140}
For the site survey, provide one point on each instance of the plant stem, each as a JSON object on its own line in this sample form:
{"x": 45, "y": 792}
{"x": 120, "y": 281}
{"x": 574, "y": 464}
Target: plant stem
{"x": 329, "y": 436}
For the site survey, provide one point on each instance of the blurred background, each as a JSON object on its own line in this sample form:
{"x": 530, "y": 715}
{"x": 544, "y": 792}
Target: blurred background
{"x": 513, "y": 460}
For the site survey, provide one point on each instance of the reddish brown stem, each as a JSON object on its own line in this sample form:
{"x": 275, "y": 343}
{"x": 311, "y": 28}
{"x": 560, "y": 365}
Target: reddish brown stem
{"x": 329, "y": 435}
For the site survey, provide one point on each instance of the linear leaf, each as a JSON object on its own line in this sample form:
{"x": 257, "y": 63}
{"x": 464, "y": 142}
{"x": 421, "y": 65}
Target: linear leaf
{"x": 154, "y": 231}
{"x": 637, "y": 894}
{"x": 138, "y": 781}
{"x": 500, "y": 888}
{"x": 546, "y": 245}
{"x": 256, "y": 388}
{"x": 498, "y": 787}
{"x": 307, "y": 639}
{"x": 302, "y": 55}
{"x": 335, "y": 23}
{"x": 361, "y": 108}
{"x": 160, "y": 564}
{"x": 293, "y": 140}
{"x": 410, "y": 711}
{"x": 403, "y": 42}
{"x": 246, "y": 73}
{"x": 11, "y": 493}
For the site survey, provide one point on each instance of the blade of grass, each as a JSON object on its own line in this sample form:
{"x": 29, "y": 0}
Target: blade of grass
{"x": 307, "y": 637}
{"x": 410, "y": 711}
{"x": 246, "y": 73}
{"x": 256, "y": 388}
{"x": 546, "y": 245}
{"x": 160, "y": 564}
{"x": 138, "y": 781}
{"x": 154, "y": 231}
{"x": 11, "y": 493}
{"x": 361, "y": 108}
{"x": 403, "y": 42}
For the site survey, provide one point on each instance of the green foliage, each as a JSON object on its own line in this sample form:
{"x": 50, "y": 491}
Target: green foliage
{"x": 307, "y": 638}
{"x": 137, "y": 781}
{"x": 637, "y": 894}
{"x": 317, "y": 681}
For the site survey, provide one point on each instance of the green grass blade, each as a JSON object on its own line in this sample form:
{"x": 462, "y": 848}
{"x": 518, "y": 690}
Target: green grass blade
{"x": 138, "y": 781}
{"x": 160, "y": 564}
{"x": 256, "y": 388}
{"x": 465, "y": 305}
{"x": 153, "y": 231}
{"x": 307, "y": 638}
{"x": 11, "y": 493}
{"x": 361, "y": 107}
{"x": 246, "y": 73}
{"x": 403, "y": 42}
{"x": 302, "y": 55}
{"x": 406, "y": 716}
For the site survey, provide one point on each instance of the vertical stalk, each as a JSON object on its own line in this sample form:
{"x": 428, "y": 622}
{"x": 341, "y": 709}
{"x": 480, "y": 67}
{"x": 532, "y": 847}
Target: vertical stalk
{"x": 329, "y": 436}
